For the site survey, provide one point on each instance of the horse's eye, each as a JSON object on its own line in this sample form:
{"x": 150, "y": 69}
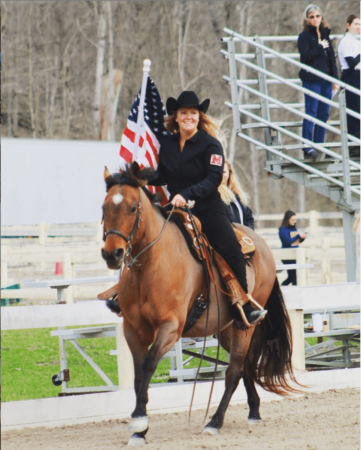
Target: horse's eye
{"x": 133, "y": 209}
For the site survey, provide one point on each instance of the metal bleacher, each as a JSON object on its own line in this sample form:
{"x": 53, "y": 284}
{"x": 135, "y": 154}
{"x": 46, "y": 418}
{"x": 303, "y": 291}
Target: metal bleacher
{"x": 333, "y": 173}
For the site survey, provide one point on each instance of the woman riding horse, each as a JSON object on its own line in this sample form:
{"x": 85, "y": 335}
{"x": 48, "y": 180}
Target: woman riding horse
{"x": 191, "y": 165}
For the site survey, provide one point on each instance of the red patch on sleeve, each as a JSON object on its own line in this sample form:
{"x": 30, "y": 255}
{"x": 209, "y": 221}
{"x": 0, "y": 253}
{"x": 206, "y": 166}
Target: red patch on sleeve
{"x": 216, "y": 160}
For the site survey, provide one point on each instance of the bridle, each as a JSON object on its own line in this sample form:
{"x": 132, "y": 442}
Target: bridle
{"x": 129, "y": 238}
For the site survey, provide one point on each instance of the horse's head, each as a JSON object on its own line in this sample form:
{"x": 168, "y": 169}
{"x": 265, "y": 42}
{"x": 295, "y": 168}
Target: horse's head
{"x": 122, "y": 208}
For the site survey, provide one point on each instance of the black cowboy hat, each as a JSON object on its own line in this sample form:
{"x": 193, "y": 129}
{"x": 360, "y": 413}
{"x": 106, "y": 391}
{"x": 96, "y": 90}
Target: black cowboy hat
{"x": 186, "y": 98}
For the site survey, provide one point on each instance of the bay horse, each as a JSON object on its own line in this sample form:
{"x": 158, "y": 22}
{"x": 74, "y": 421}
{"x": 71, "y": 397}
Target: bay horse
{"x": 157, "y": 289}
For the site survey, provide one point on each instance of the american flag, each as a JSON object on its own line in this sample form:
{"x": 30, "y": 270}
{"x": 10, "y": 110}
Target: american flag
{"x": 155, "y": 131}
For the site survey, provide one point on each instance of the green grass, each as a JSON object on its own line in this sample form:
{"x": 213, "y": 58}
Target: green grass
{"x": 31, "y": 357}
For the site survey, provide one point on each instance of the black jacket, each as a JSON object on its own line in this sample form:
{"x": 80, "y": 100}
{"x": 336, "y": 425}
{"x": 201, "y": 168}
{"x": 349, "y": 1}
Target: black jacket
{"x": 195, "y": 173}
{"x": 234, "y": 215}
{"x": 314, "y": 55}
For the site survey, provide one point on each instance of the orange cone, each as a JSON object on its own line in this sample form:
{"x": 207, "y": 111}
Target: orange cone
{"x": 59, "y": 268}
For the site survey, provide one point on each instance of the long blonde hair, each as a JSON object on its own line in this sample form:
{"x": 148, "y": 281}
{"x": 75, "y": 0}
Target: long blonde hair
{"x": 209, "y": 124}
{"x": 232, "y": 188}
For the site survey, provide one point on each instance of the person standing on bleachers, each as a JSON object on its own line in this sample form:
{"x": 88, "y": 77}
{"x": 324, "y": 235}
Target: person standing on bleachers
{"x": 349, "y": 57}
{"x": 316, "y": 51}
{"x": 290, "y": 238}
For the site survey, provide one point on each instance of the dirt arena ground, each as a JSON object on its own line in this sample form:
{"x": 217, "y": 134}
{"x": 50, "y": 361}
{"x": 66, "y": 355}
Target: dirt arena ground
{"x": 328, "y": 420}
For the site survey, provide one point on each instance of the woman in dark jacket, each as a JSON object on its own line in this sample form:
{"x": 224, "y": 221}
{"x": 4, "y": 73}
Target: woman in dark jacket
{"x": 316, "y": 51}
{"x": 191, "y": 163}
{"x": 290, "y": 238}
{"x": 235, "y": 198}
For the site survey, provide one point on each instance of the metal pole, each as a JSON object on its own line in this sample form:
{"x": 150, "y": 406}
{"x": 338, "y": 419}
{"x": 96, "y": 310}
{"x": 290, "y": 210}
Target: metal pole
{"x": 140, "y": 121}
{"x": 344, "y": 146}
{"x": 234, "y": 88}
{"x": 348, "y": 219}
{"x": 263, "y": 89}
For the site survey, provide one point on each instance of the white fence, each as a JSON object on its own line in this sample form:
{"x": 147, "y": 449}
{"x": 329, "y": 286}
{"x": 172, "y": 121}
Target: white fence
{"x": 95, "y": 407}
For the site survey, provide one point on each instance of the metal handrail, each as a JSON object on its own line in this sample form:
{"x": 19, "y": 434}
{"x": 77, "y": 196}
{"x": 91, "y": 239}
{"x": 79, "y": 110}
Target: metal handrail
{"x": 289, "y": 83}
{"x": 290, "y": 60}
{"x": 299, "y": 113}
{"x": 290, "y": 38}
{"x": 292, "y": 160}
{"x": 293, "y": 135}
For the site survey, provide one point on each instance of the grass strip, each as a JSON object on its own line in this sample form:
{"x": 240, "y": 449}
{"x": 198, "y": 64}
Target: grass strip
{"x": 31, "y": 357}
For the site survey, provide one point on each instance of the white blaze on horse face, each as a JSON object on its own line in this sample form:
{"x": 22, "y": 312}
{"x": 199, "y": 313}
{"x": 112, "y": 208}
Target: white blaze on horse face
{"x": 117, "y": 198}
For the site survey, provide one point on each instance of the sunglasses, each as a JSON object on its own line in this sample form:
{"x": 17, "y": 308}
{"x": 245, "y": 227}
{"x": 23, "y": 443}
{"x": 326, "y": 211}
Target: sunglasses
{"x": 317, "y": 16}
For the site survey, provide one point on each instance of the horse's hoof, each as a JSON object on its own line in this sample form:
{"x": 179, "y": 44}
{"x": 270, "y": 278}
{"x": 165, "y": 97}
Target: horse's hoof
{"x": 255, "y": 421}
{"x": 136, "y": 441}
{"x": 210, "y": 430}
{"x": 138, "y": 424}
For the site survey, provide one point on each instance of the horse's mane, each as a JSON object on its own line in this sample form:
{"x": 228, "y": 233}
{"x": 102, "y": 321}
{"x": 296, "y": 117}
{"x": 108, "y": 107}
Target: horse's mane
{"x": 134, "y": 176}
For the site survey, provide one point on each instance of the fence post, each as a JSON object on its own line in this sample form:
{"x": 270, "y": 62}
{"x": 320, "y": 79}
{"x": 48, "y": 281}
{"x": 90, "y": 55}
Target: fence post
{"x": 42, "y": 233}
{"x": 99, "y": 233}
{"x": 313, "y": 222}
{"x": 326, "y": 264}
{"x": 298, "y": 338}
{"x": 302, "y": 274}
{"x": 124, "y": 359}
{"x": 68, "y": 274}
{"x": 4, "y": 274}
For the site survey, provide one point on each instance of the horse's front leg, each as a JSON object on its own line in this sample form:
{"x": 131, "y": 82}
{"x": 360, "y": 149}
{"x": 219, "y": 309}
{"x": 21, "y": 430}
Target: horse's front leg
{"x": 166, "y": 337}
{"x": 138, "y": 350}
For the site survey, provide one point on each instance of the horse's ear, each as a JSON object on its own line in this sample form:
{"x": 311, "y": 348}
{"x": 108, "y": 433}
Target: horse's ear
{"x": 107, "y": 174}
{"x": 135, "y": 170}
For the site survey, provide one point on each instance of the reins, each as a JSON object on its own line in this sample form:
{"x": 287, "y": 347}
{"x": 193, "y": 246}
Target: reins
{"x": 129, "y": 238}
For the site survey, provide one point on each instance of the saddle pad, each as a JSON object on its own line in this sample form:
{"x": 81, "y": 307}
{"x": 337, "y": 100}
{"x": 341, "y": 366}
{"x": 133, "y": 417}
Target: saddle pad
{"x": 245, "y": 241}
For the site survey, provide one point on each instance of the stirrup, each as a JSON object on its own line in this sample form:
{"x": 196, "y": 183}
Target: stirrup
{"x": 243, "y": 315}
{"x": 253, "y": 301}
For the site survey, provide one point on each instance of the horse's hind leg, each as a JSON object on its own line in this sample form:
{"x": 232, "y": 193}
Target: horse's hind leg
{"x": 252, "y": 397}
{"x": 239, "y": 347}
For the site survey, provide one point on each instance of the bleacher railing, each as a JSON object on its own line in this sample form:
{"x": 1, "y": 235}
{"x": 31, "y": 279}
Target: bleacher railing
{"x": 274, "y": 148}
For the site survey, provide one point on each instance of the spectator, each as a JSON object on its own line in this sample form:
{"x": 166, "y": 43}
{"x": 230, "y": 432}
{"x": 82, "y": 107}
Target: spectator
{"x": 316, "y": 51}
{"x": 235, "y": 198}
{"x": 290, "y": 238}
{"x": 349, "y": 56}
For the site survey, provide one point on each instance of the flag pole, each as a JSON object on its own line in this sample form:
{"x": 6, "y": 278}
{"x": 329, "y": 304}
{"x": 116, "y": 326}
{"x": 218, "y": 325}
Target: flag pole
{"x": 140, "y": 121}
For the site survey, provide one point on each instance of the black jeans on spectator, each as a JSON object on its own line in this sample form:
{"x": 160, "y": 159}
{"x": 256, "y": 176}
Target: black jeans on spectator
{"x": 292, "y": 274}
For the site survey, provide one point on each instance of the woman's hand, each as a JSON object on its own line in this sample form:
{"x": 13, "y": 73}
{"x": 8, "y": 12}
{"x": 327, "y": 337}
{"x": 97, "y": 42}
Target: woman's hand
{"x": 335, "y": 87}
{"x": 178, "y": 201}
{"x": 325, "y": 43}
{"x": 303, "y": 235}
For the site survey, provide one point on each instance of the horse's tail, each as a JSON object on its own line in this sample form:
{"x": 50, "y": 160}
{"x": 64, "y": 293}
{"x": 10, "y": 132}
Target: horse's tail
{"x": 269, "y": 356}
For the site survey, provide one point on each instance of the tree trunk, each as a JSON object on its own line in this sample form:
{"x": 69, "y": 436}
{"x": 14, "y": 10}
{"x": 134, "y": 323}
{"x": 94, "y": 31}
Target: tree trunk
{"x": 111, "y": 134}
{"x": 99, "y": 69}
{"x": 9, "y": 108}
{"x": 31, "y": 105}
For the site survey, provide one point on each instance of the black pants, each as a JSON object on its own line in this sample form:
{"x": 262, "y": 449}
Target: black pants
{"x": 292, "y": 274}
{"x": 352, "y": 77}
{"x": 219, "y": 231}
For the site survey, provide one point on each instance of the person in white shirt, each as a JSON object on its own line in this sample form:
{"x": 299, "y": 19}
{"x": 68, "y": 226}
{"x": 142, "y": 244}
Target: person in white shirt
{"x": 349, "y": 57}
